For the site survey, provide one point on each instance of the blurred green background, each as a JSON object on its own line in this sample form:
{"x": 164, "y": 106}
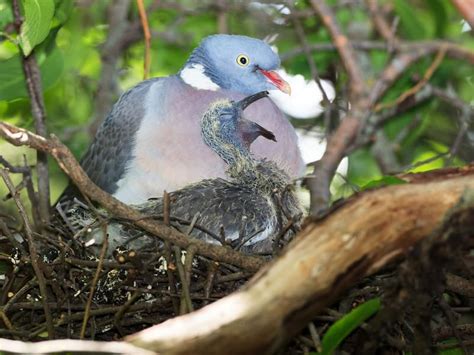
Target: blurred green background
{"x": 71, "y": 60}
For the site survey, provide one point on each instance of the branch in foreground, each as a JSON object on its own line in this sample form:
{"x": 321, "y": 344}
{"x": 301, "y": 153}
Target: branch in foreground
{"x": 69, "y": 345}
{"x": 71, "y": 167}
{"x": 326, "y": 259}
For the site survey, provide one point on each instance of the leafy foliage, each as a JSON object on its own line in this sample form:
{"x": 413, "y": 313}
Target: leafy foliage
{"x": 37, "y": 16}
{"x": 68, "y": 41}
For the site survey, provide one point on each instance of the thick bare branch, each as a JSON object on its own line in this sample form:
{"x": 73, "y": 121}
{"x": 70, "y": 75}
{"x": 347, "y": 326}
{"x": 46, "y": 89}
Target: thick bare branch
{"x": 326, "y": 259}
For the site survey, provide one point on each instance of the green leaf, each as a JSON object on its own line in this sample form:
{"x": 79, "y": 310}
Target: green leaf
{"x": 411, "y": 23}
{"x": 362, "y": 167}
{"x": 344, "y": 326}
{"x": 384, "y": 181}
{"x": 12, "y": 81}
{"x": 63, "y": 10}
{"x": 37, "y": 20}
{"x": 6, "y": 15}
{"x": 452, "y": 351}
{"x": 440, "y": 14}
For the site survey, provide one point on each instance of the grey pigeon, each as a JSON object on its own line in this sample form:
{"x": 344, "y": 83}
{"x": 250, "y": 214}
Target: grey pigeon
{"x": 151, "y": 142}
{"x": 256, "y": 201}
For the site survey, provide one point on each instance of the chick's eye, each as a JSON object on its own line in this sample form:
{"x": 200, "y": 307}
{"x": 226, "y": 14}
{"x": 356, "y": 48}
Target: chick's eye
{"x": 243, "y": 60}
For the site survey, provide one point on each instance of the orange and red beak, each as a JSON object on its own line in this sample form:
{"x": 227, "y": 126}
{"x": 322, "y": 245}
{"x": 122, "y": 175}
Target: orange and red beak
{"x": 276, "y": 80}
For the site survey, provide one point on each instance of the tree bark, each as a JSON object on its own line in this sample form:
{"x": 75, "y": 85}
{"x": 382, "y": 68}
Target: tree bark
{"x": 327, "y": 258}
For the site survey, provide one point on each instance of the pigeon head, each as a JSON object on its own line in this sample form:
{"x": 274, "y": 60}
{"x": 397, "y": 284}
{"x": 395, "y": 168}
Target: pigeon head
{"x": 227, "y": 133}
{"x": 238, "y": 63}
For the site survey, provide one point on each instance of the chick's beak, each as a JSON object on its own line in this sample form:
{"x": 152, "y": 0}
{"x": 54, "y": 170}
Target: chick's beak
{"x": 276, "y": 80}
{"x": 245, "y": 102}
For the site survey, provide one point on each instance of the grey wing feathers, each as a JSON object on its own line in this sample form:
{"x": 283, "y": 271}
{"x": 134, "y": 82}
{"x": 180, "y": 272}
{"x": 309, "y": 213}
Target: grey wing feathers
{"x": 220, "y": 203}
{"x": 106, "y": 159}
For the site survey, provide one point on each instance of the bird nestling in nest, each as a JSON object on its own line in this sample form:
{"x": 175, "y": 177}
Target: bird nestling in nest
{"x": 255, "y": 204}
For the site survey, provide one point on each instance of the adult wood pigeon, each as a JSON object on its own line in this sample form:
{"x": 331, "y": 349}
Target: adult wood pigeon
{"x": 254, "y": 203}
{"x": 151, "y": 141}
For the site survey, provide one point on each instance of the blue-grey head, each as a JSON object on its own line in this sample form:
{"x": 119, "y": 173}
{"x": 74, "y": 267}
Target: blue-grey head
{"x": 238, "y": 63}
{"x": 228, "y": 133}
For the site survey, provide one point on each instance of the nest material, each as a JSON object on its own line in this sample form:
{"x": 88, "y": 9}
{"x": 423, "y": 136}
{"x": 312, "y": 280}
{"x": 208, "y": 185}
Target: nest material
{"x": 133, "y": 290}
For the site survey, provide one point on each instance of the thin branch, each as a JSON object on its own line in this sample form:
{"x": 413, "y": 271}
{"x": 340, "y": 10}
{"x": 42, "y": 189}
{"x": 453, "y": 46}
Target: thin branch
{"x": 186, "y": 304}
{"x": 222, "y": 17}
{"x": 381, "y": 24}
{"x": 454, "y": 50}
{"x": 35, "y": 92}
{"x": 33, "y": 252}
{"x": 147, "y": 35}
{"x": 103, "y": 251}
{"x": 413, "y": 90}
{"x": 344, "y": 48}
{"x": 71, "y": 167}
{"x": 312, "y": 65}
{"x": 118, "y": 40}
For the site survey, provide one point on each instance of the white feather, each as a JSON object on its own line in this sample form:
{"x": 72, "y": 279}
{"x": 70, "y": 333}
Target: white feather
{"x": 194, "y": 75}
{"x": 306, "y": 97}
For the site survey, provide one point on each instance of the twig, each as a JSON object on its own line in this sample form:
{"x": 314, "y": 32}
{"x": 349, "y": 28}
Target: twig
{"x": 25, "y": 170}
{"x": 188, "y": 263}
{"x": 344, "y": 47}
{"x": 312, "y": 66}
{"x": 147, "y": 34}
{"x": 413, "y": 90}
{"x": 31, "y": 283}
{"x": 4, "y": 229}
{"x": 120, "y": 35}
{"x": 168, "y": 258}
{"x": 315, "y": 336}
{"x": 381, "y": 24}
{"x": 33, "y": 86}
{"x": 123, "y": 309}
{"x": 70, "y": 166}
{"x": 33, "y": 252}
{"x": 324, "y": 170}
{"x": 452, "y": 322}
{"x": 211, "y": 275}
{"x": 222, "y": 18}
{"x": 103, "y": 251}
{"x": 186, "y": 304}
{"x": 454, "y": 50}
{"x": 460, "y": 285}
{"x": 280, "y": 235}
{"x": 318, "y": 182}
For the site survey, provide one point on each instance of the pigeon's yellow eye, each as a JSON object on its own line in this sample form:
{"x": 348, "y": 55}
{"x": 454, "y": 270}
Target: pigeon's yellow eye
{"x": 243, "y": 60}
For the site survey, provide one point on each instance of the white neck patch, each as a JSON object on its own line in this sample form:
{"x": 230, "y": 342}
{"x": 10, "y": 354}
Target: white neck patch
{"x": 194, "y": 75}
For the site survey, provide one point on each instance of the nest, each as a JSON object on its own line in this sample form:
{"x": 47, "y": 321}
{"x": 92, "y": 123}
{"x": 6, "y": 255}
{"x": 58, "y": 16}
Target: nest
{"x": 106, "y": 296}
{"x": 116, "y": 293}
